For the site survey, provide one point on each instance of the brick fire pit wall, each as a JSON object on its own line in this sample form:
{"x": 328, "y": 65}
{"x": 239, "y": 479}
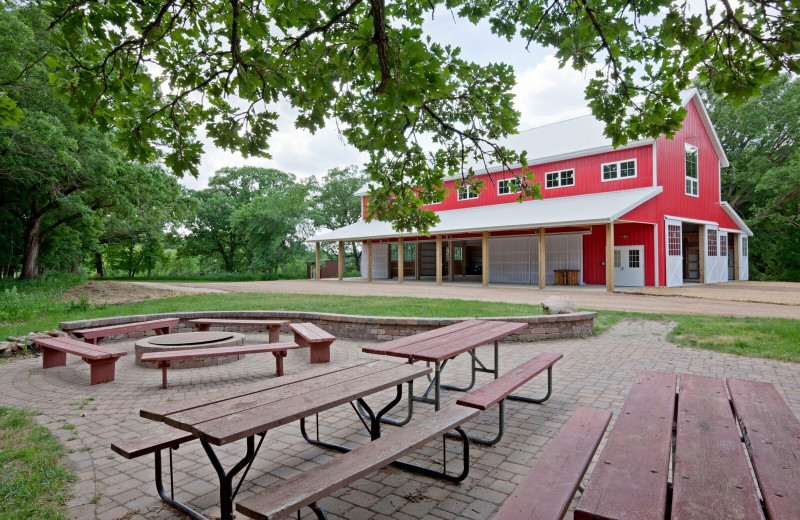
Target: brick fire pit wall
{"x": 376, "y": 328}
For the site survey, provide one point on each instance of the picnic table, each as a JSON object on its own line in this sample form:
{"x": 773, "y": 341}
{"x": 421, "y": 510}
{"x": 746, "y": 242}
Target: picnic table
{"x": 256, "y": 409}
{"x": 712, "y": 456}
{"x": 439, "y": 346}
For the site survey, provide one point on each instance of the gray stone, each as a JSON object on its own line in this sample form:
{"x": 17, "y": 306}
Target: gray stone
{"x": 558, "y": 305}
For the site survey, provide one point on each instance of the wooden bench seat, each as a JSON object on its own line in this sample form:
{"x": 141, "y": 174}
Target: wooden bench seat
{"x": 548, "y": 489}
{"x": 163, "y": 358}
{"x": 273, "y": 326}
{"x": 305, "y": 489}
{"x": 502, "y": 388}
{"x": 101, "y": 360}
{"x": 140, "y": 445}
{"x": 97, "y": 334}
{"x": 317, "y": 340}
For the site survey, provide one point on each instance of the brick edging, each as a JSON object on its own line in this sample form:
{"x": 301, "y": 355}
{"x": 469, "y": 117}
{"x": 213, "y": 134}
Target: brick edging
{"x": 377, "y": 328}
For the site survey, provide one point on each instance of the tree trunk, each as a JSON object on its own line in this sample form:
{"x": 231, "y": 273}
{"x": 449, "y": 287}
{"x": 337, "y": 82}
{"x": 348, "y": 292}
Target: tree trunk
{"x": 30, "y": 256}
{"x": 98, "y": 263}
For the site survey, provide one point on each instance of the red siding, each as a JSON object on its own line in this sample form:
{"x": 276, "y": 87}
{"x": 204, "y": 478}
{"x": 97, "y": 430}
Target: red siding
{"x": 594, "y": 250}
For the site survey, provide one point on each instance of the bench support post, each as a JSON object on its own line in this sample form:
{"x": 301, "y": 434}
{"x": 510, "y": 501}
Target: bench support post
{"x": 526, "y": 399}
{"x": 101, "y": 370}
{"x": 279, "y": 355}
{"x": 164, "y": 365}
{"x": 53, "y": 358}
{"x": 274, "y": 334}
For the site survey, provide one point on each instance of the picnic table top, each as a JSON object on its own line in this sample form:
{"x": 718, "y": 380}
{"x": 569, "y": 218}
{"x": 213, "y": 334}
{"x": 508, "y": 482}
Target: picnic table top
{"x": 711, "y": 470}
{"x": 447, "y": 342}
{"x": 263, "y": 406}
{"x": 80, "y": 348}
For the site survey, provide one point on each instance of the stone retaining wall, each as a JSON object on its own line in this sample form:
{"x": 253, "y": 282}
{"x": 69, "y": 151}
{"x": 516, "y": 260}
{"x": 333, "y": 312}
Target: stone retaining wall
{"x": 376, "y": 328}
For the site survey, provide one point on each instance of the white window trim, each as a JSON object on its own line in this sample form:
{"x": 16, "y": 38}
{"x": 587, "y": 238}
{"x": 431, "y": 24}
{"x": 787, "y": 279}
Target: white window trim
{"x": 509, "y": 192}
{"x": 468, "y": 192}
{"x": 687, "y": 147}
{"x": 559, "y": 178}
{"x": 618, "y": 178}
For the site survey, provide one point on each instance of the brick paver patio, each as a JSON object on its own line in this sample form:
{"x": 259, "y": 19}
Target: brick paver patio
{"x": 596, "y": 371}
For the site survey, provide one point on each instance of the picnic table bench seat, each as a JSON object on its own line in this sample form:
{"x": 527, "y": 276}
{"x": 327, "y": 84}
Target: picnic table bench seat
{"x": 101, "y": 359}
{"x": 547, "y": 490}
{"x": 317, "y": 340}
{"x": 272, "y": 326}
{"x": 502, "y": 388}
{"x": 305, "y": 489}
{"x": 163, "y": 359}
{"x": 97, "y": 334}
{"x": 137, "y": 446}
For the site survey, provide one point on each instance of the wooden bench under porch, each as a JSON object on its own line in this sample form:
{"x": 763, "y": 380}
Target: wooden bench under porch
{"x": 97, "y": 334}
{"x": 102, "y": 360}
{"x": 317, "y": 340}
{"x": 273, "y": 326}
{"x": 163, "y": 359}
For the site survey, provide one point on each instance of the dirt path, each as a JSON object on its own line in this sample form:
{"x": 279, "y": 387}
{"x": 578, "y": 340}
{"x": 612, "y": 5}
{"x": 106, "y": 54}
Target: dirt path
{"x": 586, "y": 297}
{"x": 130, "y": 292}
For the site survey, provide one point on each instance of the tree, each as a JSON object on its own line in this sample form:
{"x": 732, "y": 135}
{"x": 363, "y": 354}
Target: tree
{"x": 336, "y": 205}
{"x": 761, "y": 138}
{"x": 159, "y": 70}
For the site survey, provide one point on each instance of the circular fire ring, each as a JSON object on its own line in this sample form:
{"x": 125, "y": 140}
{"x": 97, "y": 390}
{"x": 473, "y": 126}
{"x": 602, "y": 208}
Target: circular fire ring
{"x": 188, "y": 341}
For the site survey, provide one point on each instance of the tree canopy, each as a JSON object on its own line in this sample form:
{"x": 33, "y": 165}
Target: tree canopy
{"x": 158, "y": 70}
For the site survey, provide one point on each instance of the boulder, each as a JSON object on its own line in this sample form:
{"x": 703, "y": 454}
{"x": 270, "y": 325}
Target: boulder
{"x": 558, "y": 305}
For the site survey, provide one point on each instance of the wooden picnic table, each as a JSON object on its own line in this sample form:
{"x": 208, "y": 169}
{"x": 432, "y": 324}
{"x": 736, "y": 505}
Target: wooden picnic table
{"x": 440, "y": 345}
{"x": 711, "y": 476}
{"x": 254, "y": 410}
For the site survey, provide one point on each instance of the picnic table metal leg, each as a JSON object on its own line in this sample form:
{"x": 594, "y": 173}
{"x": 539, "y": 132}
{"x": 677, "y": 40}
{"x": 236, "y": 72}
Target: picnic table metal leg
{"x": 226, "y": 490}
{"x": 501, "y": 423}
{"x": 526, "y": 399}
{"x": 170, "y": 499}
{"x": 476, "y": 366}
{"x": 442, "y": 474}
{"x": 389, "y": 420}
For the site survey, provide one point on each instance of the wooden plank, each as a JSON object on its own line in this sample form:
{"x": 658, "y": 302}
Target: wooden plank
{"x": 287, "y": 496}
{"x": 711, "y": 474}
{"x": 547, "y": 490}
{"x": 100, "y": 350}
{"x": 137, "y": 326}
{"x": 79, "y": 348}
{"x": 311, "y": 332}
{"x": 398, "y": 344}
{"x": 495, "y": 391}
{"x": 772, "y": 434}
{"x": 447, "y": 351}
{"x": 226, "y": 321}
{"x": 185, "y": 420}
{"x": 630, "y": 479}
{"x": 217, "y": 351}
{"x": 133, "y": 447}
{"x": 159, "y": 411}
{"x": 464, "y": 337}
{"x": 255, "y": 420}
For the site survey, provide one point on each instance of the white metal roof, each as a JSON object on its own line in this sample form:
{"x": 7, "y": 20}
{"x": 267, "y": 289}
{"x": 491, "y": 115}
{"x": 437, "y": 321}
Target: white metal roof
{"x": 736, "y": 218}
{"x": 596, "y": 208}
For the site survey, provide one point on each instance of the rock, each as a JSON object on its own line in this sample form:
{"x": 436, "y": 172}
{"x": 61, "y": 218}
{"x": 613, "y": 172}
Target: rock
{"x": 56, "y": 333}
{"x": 7, "y": 353}
{"x": 559, "y": 305}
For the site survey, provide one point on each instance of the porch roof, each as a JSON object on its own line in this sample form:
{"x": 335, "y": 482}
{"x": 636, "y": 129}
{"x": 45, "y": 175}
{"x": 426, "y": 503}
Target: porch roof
{"x": 595, "y": 208}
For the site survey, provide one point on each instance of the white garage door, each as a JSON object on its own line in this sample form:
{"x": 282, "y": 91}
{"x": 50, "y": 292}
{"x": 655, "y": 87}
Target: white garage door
{"x": 509, "y": 260}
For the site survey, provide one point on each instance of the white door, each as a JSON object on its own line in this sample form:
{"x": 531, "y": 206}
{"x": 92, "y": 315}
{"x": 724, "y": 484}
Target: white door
{"x": 711, "y": 264}
{"x": 674, "y": 249}
{"x": 744, "y": 252}
{"x": 380, "y": 260}
{"x": 629, "y": 266}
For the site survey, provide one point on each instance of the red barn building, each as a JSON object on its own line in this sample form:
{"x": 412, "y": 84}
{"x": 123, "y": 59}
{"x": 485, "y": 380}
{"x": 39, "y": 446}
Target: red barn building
{"x": 645, "y": 214}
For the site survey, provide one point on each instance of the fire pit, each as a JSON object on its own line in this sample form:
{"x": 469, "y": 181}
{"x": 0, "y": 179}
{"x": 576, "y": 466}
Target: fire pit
{"x": 187, "y": 341}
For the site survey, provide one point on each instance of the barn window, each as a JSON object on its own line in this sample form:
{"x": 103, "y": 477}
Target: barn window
{"x": 409, "y": 251}
{"x": 745, "y": 250}
{"x": 633, "y": 258}
{"x": 467, "y": 192}
{"x": 691, "y": 170}
{"x": 723, "y": 245}
{"x": 674, "y": 240}
{"x": 393, "y": 252}
{"x": 507, "y": 186}
{"x": 712, "y": 242}
{"x": 560, "y": 178}
{"x": 619, "y": 170}
{"x": 617, "y": 258}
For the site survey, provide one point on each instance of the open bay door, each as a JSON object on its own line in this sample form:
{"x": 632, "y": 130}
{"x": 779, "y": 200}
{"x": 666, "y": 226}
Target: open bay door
{"x": 674, "y": 249}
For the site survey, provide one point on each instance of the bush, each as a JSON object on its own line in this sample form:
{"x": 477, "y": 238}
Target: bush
{"x": 21, "y": 300}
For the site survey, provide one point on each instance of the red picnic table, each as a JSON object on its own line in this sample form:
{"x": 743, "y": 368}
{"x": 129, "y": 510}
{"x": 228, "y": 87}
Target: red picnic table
{"x": 714, "y": 436}
{"x": 440, "y": 345}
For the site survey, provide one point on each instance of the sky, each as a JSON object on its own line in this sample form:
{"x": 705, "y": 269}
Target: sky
{"x": 544, "y": 94}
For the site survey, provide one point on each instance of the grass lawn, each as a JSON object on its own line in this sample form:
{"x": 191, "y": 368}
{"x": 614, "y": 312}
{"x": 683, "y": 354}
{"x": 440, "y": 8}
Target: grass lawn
{"x": 33, "y": 485}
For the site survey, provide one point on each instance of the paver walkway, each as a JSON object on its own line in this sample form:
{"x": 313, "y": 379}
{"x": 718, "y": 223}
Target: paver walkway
{"x": 714, "y": 302}
{"x": 596, "y": 371}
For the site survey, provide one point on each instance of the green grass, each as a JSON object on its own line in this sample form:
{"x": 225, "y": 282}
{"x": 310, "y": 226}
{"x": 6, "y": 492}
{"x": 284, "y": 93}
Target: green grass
{"x": 33, "y": 484}
{"x": 22, "y": 300}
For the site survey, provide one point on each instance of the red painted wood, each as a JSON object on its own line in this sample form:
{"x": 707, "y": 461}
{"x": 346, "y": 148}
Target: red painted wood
{"x": 630, "y": 479}
{"x": 101, "y": 370}
{"x": 101, "y": 360}
{"x": 495, "y": 391}
{"x": 311, "y": 332}
{"x": 80, "y": 348}
{"x": 711, "y": 473}
{"x": 53, "y": 358}
{"x": 174, "y": 355}
{"x": 626, "y": 234}
{"x": 396, "y": 344}
{"x": 773, "y": 438}
{"x": 98, "y": 333}
{"x": 288, "y": 496}
{"x": 134, "y": 447}
{"x": 547, "y": 490}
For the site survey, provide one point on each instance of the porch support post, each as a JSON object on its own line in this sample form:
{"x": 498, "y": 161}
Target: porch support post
{"x": 401, "y": 260}
{"x": 438, "y": 259}
{"x": 450, "y": 260}
{"x": 485, "y": 258}
{"x": 341, "y": 260}
{"x": 610, "y": 257}
{"x": 369, "y": 260}
{"x": 542, "y": 259}
{"x": 701, "y": 258}
{"x": 317, "y": 273}
{"x": 735, "y": 251}
{"x": 417, "y": 260}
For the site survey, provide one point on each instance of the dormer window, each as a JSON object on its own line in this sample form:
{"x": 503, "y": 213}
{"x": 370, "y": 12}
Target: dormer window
{"x": 467, "y": 192}
{"x": 692, "y": 183}
{"x": 619, "y": 170}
